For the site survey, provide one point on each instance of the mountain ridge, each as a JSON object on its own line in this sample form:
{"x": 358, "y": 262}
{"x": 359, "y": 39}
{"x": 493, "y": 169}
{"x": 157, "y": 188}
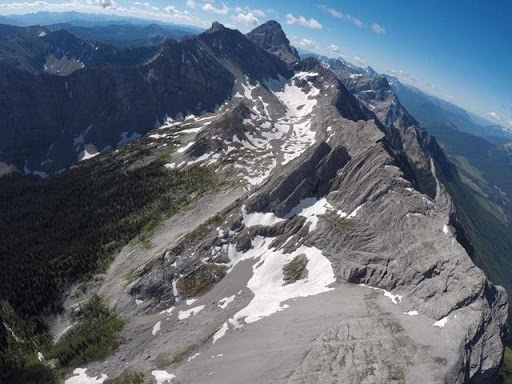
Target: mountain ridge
{"x": 325, "y": 179}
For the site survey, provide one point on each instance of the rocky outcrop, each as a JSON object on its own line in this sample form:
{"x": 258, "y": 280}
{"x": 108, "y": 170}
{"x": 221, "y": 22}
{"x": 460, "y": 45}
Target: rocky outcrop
{"x": 271, "y": 37}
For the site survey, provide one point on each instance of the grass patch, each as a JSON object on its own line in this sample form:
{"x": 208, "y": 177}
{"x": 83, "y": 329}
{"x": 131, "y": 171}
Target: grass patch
{"x": 96, "y": 336}
{"x": 163, "y": 360}
{"x": 183, "y": 353}
{"x": 127, "y": 378}
{"x": 201, "y": 280}
{"x": 505, "y": 375}
{"x": 295, "y": 269}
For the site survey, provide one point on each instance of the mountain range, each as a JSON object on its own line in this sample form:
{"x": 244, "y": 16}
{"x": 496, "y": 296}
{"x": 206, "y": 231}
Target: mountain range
{"x": 244, "y": 216}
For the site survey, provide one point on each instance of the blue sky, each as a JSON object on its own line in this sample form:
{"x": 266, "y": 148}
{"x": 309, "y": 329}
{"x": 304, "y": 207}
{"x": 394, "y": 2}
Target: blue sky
{"x": 460, "y": 50}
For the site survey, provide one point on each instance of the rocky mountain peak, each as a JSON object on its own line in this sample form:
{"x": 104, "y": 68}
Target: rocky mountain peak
{"x": 271, "y": 37}
{"x": 216, "y": 26}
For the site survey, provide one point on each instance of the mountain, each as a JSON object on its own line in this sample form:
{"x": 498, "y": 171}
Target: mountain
{"x": 80, "y": 19}
{"x": 271, "y": 37}
{"x": 296, "y": 224}
{"x": 110, "y": 95}
{"x": 477, "y": 178}
{"x": 429, "y": 109}
{"x": 125, "y": 35}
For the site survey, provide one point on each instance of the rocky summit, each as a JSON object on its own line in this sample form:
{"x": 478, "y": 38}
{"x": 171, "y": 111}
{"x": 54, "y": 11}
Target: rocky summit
{"x": 330, "y": 252}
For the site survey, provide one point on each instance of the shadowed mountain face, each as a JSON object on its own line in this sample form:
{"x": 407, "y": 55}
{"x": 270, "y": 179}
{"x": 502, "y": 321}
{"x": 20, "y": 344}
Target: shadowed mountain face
{"x": 271, "y": 37}
{"x": 60, "y": 93}
{"x": 294, "y": 224}
{"x": 125, "y": 35}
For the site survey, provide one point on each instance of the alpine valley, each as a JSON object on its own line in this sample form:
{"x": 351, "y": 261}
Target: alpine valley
{"x": 216, "y": 209}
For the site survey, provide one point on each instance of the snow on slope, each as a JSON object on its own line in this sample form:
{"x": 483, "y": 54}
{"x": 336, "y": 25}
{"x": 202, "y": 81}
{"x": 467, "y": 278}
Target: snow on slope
{"x": 277, "y": 131}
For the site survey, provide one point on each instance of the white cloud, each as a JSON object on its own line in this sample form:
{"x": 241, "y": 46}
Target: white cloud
{"x": 360, "y": 61}
{"x": 146, "y": 5}
{"x": 210, "y": 7}
{"x": 495, "y": 116}
{"x": 301, "y": 20}
{"x": 378, "y": 29}
{"x": 334, "y": 48}
{"x": 192, "y": 4}
{"x": 355, "y": 21}
{"x": 333, "y": 12}
{"x": 304, "y": 43}
{"x": 141, "y": 9}
{"x": 255, "y": 12}
{"x": 246, "y": 18}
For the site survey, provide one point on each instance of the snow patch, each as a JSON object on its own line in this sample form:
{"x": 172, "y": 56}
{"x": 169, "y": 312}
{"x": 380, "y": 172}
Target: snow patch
{"x": 221, "y": 332}
{"x": 191, "y": 312}
{"x": 441, "y": 323}
{"x": 355, "y": 212}
{"x": 224, "y": 302}
{"x": 162, "y": 377}
{"x": 395, "y": 299}
{"x": 310, "y": 208}
{"x": 267, "y": 282}
{"x": 167, "y": 311}
{"x": 197, "y": 354}
{"x": 82, "y": 378}
{"x": 183, "y": 149}
{"x": 191, "y": 301}
{"x": 88, "y": 152}
{"x": 156, "y": 328}
{"x": 412, "y": 313}
{"x": 259, "y": 218}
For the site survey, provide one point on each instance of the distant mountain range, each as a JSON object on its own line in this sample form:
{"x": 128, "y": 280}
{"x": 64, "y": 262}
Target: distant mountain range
{"x": 80, "y": 19}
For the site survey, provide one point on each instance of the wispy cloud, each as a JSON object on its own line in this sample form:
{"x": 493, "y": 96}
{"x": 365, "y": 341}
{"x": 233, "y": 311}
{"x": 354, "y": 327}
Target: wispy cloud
{"x": 303, "y": 21}
{"x": 304, "y": 43}
{"x": 334, "y": 48}
{"x": 493, "y": 115}
{"x": 212, "y": 8}
{"x": 248, "y": 18}
{"x": 107, "y": 7}
{"x": 360, "y": 61}
{"x": 377, "y": 28}
{"x": 255, "y": 12}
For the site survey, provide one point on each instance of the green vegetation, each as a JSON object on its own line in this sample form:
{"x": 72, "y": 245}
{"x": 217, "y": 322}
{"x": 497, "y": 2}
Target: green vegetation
{"x": 295, "y": 269}
{"x": 163, "y": 360}
{"x": 95, "y": 337}
{"x": 21, "y": 340}
{"x": 127, "y": 378}
{"x": 505, "y": 375}
{"x": 201, "y": 280}
{"x": 67, "y": 228}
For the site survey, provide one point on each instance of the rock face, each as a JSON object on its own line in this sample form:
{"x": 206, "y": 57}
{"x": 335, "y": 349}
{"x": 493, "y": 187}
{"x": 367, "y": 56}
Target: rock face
{"x": 271, "y": 37}
{"x": 334, "y": 261}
